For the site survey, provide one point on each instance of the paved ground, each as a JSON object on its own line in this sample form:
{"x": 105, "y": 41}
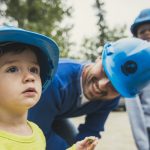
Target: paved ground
{"x": 117, "y": 135}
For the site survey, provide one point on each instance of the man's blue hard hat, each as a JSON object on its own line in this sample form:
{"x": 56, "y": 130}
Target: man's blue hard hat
{"x": 143, "y": 17}
{"x": 127, "y": 65}
{"x": 47, "y": 48}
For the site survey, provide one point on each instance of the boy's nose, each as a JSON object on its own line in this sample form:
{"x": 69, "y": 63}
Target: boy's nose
{"x": 28, "y": 77}
{"x": 147, "y": 31}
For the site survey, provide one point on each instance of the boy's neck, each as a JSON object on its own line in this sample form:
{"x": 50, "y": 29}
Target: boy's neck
{"x": 16, "y": 124}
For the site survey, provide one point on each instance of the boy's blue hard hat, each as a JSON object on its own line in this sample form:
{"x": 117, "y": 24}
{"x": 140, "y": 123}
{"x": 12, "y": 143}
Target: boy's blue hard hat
{"x": 143, "y": 17}
{"x": 127, "y": 65}
{"x": 47, "y": 47}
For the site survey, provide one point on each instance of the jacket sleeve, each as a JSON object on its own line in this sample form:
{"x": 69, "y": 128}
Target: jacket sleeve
{"x": 55, "y": 142}
{"x": 94, "y": 122}
{"x": 138, "y": 109}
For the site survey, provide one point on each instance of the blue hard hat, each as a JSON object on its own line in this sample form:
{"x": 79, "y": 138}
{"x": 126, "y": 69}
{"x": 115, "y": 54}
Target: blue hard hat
{"x": 48, "y": 49}
{"x": 143, "y": 17}
{"x": 127, "y": 65}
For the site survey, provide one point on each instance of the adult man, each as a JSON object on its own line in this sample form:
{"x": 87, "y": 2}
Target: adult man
{"x": 139, "y": 107}
{"x": 88, "y": 89}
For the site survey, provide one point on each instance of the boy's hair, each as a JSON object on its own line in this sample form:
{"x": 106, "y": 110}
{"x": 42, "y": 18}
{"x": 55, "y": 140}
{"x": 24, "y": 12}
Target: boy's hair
{"x": 17, "y": 48}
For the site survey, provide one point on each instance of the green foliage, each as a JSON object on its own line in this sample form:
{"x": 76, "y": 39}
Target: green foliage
{"x": 89, "y": 49}
{"x": 43, "y": 16}
{"x": 92, "y": 47}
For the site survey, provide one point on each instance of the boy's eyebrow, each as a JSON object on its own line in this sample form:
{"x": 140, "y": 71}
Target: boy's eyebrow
{"x": 14, "y": 61}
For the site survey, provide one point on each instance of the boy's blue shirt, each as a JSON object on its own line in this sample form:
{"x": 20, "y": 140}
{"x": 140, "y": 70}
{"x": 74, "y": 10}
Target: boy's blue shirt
{"x": 62, "y": 100}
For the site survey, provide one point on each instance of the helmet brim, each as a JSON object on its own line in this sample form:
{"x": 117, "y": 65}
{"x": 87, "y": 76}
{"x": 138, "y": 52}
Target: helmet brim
{"x": 45, "y": 44}
{"x": 134, "y": 26}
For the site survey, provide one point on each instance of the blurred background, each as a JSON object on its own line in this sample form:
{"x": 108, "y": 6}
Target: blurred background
{"x": 77, "y": 26}
{"x": 117, "y": 134}
{"x": 81, "y": 28}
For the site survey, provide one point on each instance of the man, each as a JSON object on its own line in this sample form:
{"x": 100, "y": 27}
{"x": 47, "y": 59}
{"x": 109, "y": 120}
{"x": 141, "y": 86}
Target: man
{"x": 139, "y": 107}
{"x": 91, "y": 89}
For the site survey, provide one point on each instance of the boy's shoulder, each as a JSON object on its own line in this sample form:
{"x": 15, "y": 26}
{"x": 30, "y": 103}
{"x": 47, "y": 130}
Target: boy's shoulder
{"x": 35, "y": 128}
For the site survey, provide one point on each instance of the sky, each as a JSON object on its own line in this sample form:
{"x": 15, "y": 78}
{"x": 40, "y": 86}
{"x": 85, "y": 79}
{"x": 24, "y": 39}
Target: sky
{"x": 118, "y": 13}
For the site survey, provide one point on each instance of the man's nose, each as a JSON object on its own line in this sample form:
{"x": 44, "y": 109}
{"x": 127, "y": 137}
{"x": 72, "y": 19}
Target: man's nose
{"x": 103, "y": 82}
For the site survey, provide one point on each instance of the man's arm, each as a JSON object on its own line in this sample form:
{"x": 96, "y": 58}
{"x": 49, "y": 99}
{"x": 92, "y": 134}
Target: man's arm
{"x": 44, "y": 117}
{"x": 55, "y": 142}
{"x": 94, "y": 122}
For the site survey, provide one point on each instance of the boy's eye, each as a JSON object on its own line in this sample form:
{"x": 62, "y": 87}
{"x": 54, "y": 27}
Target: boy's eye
{"x": 35, "y": 70}
{"x": 12, "y": 69}
{"x": 142, "y": 31}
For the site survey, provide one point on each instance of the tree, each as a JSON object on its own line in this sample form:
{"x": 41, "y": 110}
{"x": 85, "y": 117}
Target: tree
{"x": 43, "y": 16}
{"x": 92, "y": 47}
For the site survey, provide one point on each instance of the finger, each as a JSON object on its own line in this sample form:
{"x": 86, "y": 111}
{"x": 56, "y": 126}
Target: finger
{"x": 92, "y": 139}
{"x": 93, "y": 145}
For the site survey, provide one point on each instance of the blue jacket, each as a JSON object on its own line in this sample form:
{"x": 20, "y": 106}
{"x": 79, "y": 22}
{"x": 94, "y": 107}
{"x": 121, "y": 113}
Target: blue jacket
{"x": 61, "y": 100}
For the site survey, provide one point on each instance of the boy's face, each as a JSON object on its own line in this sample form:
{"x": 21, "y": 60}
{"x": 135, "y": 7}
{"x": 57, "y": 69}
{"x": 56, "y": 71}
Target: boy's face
{"x": 20, "y": 82}
{"x": 143, "y": 32}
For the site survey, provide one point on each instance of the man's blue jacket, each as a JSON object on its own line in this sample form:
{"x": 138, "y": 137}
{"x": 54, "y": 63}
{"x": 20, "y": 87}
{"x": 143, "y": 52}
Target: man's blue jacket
{"x": 61, "y": 100}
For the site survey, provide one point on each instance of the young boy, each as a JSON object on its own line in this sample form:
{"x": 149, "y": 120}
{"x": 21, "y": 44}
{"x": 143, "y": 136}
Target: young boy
{"x": 28, "y": 62}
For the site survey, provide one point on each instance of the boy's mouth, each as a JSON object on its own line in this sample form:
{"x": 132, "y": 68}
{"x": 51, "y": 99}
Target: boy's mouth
{"x": 29, "y": 90}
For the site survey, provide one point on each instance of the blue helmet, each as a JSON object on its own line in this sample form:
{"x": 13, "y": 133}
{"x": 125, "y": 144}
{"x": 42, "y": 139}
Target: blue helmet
{"x": 143, "y": 17}
{"x": 48, "y": 49}
{"x": 127, "y": 65}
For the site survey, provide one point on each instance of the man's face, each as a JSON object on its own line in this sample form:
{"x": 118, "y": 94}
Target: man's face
{"x": 143, "y": 32}
{"x": 96, "y": 85}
